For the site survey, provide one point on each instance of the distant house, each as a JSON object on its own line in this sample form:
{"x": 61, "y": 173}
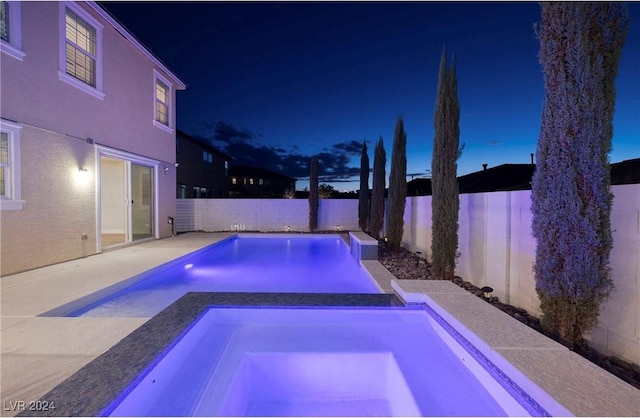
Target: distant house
{"x": 87, "y": 135}
{"x": 509, "y": 177}
{"x": 202, "y": 170}
{"x": 245, "y": 181}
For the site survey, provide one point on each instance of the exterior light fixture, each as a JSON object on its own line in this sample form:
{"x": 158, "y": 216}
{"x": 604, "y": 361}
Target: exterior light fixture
{"x": 166, "y": 170}
{"x": 487, "y": 292}
{"x": 235, "y": 227}
{"x": 288, "y": 228}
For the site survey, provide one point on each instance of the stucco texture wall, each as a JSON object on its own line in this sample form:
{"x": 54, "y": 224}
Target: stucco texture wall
{"x": 33, "y": 237}
{"x": 498, "y": 249}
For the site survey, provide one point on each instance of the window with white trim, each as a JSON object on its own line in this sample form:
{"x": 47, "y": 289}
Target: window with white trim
{"x": 162, "y": 98}
{"x": 80, "y": 49}
{"x": 10, "y": 30}
{"x": 10, "y": 166}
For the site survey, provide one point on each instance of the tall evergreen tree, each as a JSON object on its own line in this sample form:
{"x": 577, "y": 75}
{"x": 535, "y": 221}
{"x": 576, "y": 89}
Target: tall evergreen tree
{"x": 377, "y": 194}
{"x": 313, "y": 195}
{"x": 363, "y": 197}
{"x": 445, "y": 202}
{"x": 580, "y": 47}
{"x": 397, "y": 188}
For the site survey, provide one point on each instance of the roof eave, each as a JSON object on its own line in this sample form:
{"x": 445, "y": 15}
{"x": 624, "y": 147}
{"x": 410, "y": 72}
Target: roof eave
{"x": 180, "y": 85}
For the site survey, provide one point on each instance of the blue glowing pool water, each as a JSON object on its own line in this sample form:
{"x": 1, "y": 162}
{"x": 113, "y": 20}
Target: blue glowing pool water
{"x": 291, "y": 263}
{"x": 254, "y": 361}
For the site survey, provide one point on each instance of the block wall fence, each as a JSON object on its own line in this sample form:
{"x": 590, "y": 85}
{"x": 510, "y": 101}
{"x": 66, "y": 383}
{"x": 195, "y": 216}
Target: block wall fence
{"x": 495, "y": 243}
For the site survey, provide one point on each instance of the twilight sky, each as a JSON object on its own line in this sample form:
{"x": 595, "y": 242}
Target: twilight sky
{"x": 273, "y": 84}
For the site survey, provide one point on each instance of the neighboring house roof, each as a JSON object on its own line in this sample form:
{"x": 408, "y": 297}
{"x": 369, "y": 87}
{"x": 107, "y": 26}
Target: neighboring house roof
{"x": 508, "y": 177}
{"x": 246, "y": 171}
{"x": 626, "y": 172}
{"x": 131, "y": 38}
{"x": 203, "y": 143}
{"x": 504, "y": 177}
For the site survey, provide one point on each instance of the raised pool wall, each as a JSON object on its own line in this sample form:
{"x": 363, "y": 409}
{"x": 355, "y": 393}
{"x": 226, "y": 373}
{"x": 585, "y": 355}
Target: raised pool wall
{"x": 495, "y": 241}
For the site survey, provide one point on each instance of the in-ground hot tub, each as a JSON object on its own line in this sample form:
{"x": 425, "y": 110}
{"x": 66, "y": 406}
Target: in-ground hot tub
{"x": 303, "y": 361}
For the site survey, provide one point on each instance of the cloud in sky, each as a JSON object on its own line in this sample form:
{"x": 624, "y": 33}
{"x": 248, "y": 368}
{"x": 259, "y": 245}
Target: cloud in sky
{"x": 242, "y": 145}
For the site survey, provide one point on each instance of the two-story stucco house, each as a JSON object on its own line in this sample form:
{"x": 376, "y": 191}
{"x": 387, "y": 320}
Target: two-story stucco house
{"x": 88, "y": 132}
{"x": 202, "y": 171}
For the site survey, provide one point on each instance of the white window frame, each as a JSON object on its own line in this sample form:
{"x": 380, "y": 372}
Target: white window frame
{"x": 13, "y": 47}
{"x": 159, "y": 77}
{"x": 11, "y": 201}
{"x": 96, "y": 91}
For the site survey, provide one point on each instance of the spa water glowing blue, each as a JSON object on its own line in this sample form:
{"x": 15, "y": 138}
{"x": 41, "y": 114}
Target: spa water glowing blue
{"x": 315, "y": 361}
{"x": 247, "y": 263}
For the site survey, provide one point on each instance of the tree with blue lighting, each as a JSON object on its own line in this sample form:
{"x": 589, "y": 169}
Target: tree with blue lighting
{"x": 397, "y": 188}
{"x": 377, "y": 194}
{"x": 445, "y": 202}
{"x": 313, "y": 195}
{"x": 363, "y": 198}
{"x": 580, "y": 48}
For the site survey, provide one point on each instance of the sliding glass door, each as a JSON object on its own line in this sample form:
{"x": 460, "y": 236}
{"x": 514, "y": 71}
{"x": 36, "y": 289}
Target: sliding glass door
{"x": 127, "y": 201}
{"x": 141, "y": 201}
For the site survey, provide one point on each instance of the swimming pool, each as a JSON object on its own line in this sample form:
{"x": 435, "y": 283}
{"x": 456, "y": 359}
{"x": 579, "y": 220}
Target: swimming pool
{"x": 244, "y": 263}
{"x": 256, "y": 361}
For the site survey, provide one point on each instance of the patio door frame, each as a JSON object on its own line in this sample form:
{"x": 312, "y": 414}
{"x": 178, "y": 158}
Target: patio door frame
{"x": 128, "y": 159}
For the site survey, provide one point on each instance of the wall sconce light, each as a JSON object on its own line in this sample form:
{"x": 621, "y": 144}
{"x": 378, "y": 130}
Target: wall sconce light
{"x": 176, "y": 165}
{"x": 338, "y": 228}
{"x": 487, "y": 292}
{"x": 166, "y": 170}
{"x": 288, "y": 228}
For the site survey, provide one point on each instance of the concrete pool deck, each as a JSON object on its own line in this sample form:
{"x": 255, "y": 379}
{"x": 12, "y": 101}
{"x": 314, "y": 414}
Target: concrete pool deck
{"x": 38, "y": 353}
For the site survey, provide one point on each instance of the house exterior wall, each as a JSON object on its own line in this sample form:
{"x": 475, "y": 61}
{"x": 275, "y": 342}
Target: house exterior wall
{"x": 271, "y": 186}
{"x": 56, "y": 118}
{"x": 191, "y": 171}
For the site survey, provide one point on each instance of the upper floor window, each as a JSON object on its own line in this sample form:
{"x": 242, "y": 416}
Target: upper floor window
{"x": 10, "y": 31}
{"x": 226, "y": 168}
{"x": 10, "y": 166}
{"x": 234, "y": 180}
{"x": 162, "y": 102}
{"x": 207, "y": 160}
{"x": 81, "y": 46}
{"x": 80, "y": 49}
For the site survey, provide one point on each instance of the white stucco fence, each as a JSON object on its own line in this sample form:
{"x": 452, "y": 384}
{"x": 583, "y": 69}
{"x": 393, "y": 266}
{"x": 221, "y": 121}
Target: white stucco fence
{"x": 495, "y": 242}
{"x": 265, "y": 215}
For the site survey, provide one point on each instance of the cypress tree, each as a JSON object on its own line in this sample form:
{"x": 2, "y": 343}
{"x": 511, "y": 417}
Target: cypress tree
{"x": 363, "y": 198}
{"x": 397, "y": 188}
{"x": 377, "y": 194}
{"x": 580, "y": 47}
{"x": 445, "y": 202}
{"x": 313, "y": 195}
